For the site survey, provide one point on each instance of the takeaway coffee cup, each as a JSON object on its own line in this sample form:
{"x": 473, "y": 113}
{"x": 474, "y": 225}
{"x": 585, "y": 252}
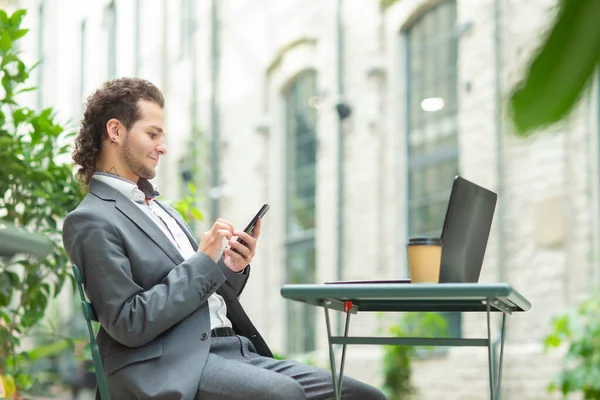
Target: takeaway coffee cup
{"x": 424, "y": 259}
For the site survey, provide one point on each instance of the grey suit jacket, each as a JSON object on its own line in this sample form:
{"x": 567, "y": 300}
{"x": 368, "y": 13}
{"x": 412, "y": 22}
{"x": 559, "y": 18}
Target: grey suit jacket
{"x": 152, "y": 304}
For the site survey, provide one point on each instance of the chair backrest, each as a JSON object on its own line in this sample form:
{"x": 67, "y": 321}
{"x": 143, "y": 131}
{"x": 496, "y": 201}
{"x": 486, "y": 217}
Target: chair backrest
{"x": 90, "y": 315}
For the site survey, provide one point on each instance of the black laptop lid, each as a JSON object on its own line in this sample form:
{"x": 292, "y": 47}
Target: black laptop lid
{"x": 466, "y": 231}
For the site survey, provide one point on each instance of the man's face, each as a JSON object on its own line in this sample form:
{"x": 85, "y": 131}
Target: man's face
{"x": 144, "y": 143}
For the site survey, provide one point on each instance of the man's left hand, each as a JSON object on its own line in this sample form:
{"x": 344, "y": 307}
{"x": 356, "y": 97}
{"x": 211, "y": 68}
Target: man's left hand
{"x": 245, "y": 250}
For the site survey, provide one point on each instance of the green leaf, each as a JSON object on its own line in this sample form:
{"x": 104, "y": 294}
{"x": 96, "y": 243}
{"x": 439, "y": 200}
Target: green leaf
{"x": 5, "y": 41}
{"x": 49, "y": 350}
{"x": 552, "y": 341}
{"x": 7, "y": 59}
{"x": 30, "y": 317}
{"x": 197, "y": 214}
{"x": 7, "y": 84}
{"x": 34, "y": 66}
{"x": 561, "y": 70}
{"x": 19, "y": 33}
{"x": 10, "y": 363}
{"x": 4, "y": 316}
{"x": 17, "y": 17}
{"x": 24, "y": 381}
{"x": 19, "y": 115}
{"x": 27, "y": 89}
{"x": 3, "y": 19}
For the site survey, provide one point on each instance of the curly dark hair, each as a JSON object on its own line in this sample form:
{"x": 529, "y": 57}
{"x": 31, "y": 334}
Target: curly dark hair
{"x": 115, "y": 99}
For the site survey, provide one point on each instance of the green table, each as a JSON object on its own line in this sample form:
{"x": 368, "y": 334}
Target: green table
{"x": 351, "y": 298}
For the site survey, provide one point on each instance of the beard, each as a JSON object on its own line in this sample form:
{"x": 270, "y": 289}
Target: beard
{"x": 136, "y": 166}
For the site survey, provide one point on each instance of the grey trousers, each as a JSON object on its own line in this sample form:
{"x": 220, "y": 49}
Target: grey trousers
{"x": 234, "y": 371}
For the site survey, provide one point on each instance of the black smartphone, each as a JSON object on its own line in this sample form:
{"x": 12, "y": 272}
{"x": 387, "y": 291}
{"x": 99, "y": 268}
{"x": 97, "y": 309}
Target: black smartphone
{"x": 250, "y": 227}
{"x": 261, "y": 213}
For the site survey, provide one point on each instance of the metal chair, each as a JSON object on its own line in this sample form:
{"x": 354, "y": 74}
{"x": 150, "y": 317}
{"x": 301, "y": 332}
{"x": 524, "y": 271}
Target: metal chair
{"x": 90, "y": 315}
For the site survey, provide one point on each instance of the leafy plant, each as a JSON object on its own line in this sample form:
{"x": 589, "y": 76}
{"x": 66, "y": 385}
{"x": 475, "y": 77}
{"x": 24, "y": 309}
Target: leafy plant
{"x": 557, "y": 77}
{"x": 397, "y": 360}
{"x": 579, "y": 330}
{"x": 36, "y": 190}
{"x": 562, "y": 68}
{"x": 187, "y": 206}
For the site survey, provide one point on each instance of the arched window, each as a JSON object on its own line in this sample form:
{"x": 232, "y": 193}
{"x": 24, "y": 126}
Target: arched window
{"x": 432, "y": 127}
{"x": 300, "y": 188}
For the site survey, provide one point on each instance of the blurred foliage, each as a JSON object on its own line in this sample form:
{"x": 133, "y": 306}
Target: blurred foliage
{"x": 397, "y": 360}
{"x": 557, "y": 77}
{"x": 36, "y": 191}
{"x": 187, "y": 206}
{"x": 562, "y": 68}
{"x": 383, "y": 4}
{"x": 579, "y": 330}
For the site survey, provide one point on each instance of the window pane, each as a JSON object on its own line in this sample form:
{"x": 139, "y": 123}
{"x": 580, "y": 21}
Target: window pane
{"x": 301, "y": 154}
{"x": 301, "y": 149}
{"x": 432, "y": 136}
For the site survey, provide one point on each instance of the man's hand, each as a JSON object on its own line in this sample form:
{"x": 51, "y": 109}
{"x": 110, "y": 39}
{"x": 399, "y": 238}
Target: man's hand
{"x": 244, "y": 251}
{"x": 212, "y": 240}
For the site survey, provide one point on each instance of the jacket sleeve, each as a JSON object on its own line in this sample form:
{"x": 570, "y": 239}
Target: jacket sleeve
{"x": 131, "y": 315}
{"x": 235, "y": 282}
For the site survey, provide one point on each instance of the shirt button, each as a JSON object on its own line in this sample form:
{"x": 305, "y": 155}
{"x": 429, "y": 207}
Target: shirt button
{"x": 204, "y": 336}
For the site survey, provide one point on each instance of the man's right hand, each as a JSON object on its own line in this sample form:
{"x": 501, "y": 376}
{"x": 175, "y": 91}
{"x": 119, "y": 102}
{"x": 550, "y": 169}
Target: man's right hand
{"x": 212, "y": 240}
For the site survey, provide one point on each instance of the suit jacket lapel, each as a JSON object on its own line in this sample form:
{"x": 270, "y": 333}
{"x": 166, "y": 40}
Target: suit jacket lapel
{"x": 138, "y": 217}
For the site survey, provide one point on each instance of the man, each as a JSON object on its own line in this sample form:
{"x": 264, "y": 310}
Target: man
{"x": 171, "y": 323}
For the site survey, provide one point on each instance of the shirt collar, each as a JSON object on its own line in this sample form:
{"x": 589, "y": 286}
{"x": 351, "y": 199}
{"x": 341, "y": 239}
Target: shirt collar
{"x": 136, "y": 193}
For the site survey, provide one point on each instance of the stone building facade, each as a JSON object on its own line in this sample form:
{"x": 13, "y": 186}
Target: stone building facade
{"x": 257, "y": 84}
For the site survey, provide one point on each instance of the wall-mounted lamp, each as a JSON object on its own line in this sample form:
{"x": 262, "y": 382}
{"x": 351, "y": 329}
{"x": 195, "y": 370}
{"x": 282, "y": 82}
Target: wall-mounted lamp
{"x": 263, "y": 127}
{"x": 376, "y": 71}
{"x": 343, "y": 109}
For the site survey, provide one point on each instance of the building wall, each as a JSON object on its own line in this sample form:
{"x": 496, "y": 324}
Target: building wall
{"x": 544, "y": 236}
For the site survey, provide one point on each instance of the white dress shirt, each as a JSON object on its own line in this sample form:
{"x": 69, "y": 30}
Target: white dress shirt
{"x": 172, "y": 230}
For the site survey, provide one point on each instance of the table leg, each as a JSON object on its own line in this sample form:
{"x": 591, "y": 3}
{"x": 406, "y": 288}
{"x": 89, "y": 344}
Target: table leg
{"x": 495, "y": 378}
{"x": 346, "y": 329}
{"x": 499, "y": 379}
{"x": 336, "y": 389}
{"x": 490, "y": 357}
{"x": 337, "y": 383}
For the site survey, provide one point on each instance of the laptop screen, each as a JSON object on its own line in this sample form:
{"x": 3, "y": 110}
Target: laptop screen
{"x": 466, "y": 231}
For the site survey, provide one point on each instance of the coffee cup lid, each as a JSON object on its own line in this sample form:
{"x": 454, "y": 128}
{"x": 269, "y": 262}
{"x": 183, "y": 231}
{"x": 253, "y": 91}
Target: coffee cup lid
{"x": 424, "y": 241}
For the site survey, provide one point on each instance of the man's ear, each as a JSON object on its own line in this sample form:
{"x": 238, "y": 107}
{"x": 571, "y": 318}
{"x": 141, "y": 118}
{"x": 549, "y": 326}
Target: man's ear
{"x": 113, "y": 126}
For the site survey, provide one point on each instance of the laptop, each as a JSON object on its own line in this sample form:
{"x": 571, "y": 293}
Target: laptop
{"x": 465, "y": 233}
